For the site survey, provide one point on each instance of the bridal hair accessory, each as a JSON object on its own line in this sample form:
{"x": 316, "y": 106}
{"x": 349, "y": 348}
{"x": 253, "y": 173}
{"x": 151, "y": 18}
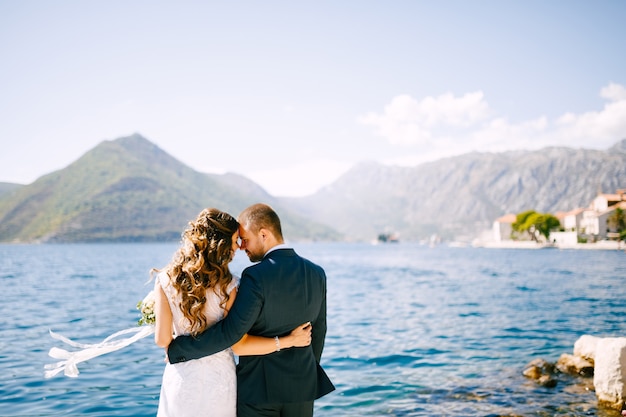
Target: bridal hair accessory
{"x": 112, "y": 343}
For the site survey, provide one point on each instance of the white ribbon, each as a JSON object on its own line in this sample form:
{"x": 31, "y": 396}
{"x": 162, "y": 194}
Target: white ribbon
{"x": 89, "y": 351}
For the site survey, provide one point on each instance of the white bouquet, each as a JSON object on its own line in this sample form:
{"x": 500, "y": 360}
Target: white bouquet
{"x": 146, "y": 307}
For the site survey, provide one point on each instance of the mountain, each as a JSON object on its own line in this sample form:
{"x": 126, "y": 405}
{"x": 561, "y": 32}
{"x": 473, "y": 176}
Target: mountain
{"x": 619, "y": 147}
{"x": 463, "y": 195}
{"x": 130, "y": 190}
{"x": 5, "y": 187}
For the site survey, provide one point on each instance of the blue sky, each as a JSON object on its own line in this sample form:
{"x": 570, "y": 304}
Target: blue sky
{"x": 292, "y": 94}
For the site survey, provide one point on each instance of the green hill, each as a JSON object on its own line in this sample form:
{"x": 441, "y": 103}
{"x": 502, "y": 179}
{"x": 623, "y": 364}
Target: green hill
{"x": 130, "y": 190}
{"x": 6, "y": 187}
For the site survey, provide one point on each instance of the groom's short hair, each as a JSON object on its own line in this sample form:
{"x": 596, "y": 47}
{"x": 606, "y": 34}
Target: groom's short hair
{"x": 261, "y": 216}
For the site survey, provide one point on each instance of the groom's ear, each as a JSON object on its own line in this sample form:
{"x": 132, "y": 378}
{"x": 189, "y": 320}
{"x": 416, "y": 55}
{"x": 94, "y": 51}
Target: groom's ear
{"x": 267, "y": 236}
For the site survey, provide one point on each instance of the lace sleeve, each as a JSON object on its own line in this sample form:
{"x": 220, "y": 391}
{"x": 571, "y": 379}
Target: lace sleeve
{"x": 166, "y": 284}
{"x": 233, "y": 284}
{"x": 170, "y": 292}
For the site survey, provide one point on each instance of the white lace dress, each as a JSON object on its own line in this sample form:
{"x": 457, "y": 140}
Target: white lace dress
{"x": 200, "y": 387}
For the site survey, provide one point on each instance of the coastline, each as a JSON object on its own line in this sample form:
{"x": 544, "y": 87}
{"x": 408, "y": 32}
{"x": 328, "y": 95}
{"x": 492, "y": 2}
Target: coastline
{"x": 510, "y": 244}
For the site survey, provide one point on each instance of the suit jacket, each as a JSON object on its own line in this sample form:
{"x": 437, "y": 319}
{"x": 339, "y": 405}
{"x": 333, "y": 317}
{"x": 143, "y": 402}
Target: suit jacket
{"x": 275, "y": 295}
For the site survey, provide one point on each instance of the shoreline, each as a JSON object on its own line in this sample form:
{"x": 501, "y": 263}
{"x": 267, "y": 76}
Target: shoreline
{"x": 509, "y": 244}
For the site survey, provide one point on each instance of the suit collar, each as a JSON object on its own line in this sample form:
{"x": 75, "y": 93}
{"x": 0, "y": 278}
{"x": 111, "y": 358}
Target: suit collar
{"x": 278, "y": 251}
{"x": 279, "y": 246}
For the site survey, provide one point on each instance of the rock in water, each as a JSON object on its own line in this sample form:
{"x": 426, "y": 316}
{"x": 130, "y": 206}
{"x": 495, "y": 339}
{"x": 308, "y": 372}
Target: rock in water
{"x": 610, "y": 371}
{"x": 575, "y": 365}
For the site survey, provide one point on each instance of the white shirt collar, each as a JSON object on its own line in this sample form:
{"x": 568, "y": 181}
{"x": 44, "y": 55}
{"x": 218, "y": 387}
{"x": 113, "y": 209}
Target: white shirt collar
{"x": 279, "y": 246}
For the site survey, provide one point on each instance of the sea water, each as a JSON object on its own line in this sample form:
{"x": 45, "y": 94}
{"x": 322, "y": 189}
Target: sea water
{"x": 412, "y": 330}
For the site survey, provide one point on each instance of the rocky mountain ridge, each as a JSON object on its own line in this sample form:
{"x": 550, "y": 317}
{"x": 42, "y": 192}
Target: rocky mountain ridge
{"x": 463, "y": 195}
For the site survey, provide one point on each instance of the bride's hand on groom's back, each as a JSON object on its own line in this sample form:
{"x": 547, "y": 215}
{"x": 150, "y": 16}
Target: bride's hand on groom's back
{"x": 299, "y": 337}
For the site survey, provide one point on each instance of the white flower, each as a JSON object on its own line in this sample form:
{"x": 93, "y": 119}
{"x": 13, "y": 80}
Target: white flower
{"x": 146, "y": 307}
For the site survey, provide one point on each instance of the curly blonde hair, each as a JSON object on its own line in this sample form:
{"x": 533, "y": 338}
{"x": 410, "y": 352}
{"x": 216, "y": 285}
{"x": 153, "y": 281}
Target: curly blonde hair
{"x": 201, "y": 263}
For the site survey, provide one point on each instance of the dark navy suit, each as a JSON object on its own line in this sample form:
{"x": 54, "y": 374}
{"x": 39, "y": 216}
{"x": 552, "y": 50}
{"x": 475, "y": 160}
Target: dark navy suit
{"x": 275, "y": 295}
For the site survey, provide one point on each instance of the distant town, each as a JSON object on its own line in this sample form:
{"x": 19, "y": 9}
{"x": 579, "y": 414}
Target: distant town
{"x": 601, "y": 225}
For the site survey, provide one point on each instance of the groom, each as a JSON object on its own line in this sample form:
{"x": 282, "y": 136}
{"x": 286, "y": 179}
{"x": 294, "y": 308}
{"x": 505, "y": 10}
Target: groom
{"x": 275, "y": 295}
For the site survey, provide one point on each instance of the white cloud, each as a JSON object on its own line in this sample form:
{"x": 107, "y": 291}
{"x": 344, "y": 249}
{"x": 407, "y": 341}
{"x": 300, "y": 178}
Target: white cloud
{"x": 603, "y": 127}
{"x": 435, "y": 127}
{"x": 613, "y": 92}
{"x": 407, "y": 121}
{"x": 448, "y": 110}
{"x": 500, "y": 135}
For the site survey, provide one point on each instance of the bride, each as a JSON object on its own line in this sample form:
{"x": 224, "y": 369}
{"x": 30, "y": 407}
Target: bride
{"x": 193, "y": 292}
